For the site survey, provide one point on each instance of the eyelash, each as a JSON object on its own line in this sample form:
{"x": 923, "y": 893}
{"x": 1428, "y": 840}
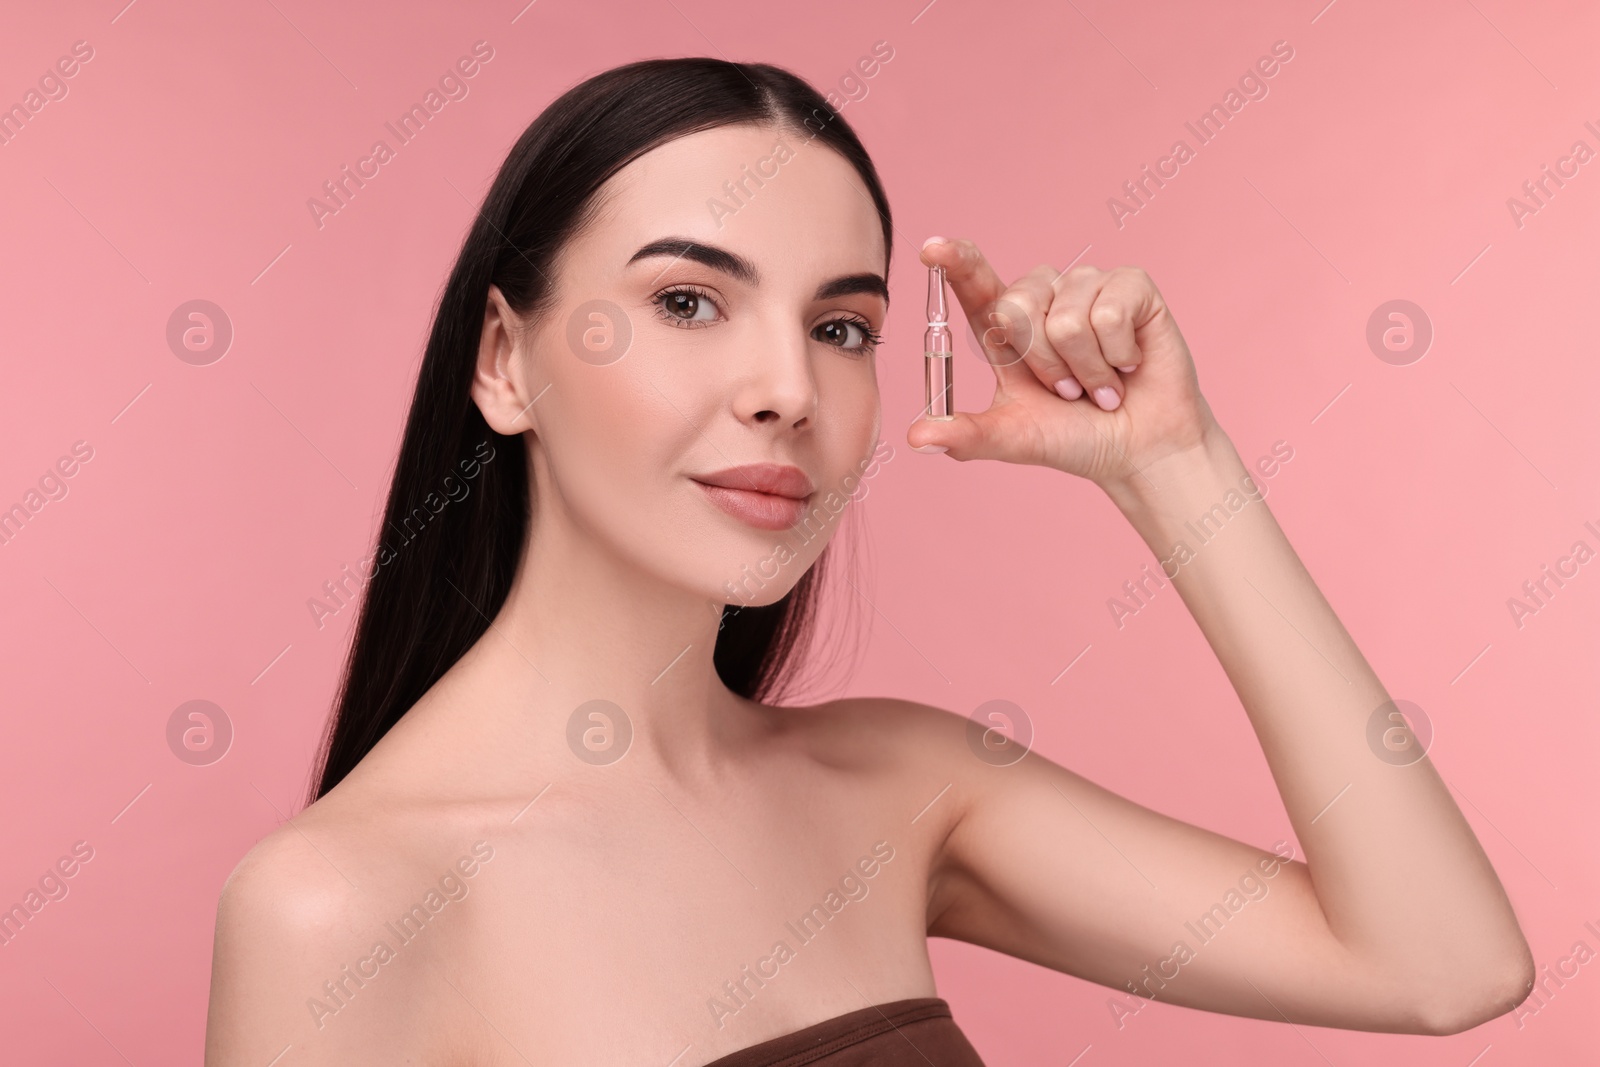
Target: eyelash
{"x": 872, "y": 338}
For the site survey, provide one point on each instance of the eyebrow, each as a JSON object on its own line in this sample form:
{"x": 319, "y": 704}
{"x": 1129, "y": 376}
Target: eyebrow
{"x": 736, "y": 266}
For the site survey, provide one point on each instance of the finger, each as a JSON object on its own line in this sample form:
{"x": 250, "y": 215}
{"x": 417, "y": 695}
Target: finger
{"x": 978, "y": 289}
{"x": 971, "y": 278}
{"x": 1123, "y": 303}
{"x": 1033, "y": 295}
{"x": 1070, "y": 332}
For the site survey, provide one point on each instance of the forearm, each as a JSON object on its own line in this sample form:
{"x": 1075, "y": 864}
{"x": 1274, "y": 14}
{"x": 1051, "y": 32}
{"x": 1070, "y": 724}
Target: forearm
{"x": 1402, "y": 881}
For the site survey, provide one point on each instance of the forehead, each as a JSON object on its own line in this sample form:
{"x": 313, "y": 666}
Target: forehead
{"x": 795, "y": 207}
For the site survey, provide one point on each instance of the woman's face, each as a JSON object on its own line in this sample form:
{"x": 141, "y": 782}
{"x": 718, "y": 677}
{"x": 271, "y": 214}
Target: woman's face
{"x": 718, "y": 313}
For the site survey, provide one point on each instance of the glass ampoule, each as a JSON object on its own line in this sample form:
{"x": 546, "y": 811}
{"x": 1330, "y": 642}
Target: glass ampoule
{"x": 938, "y": 351}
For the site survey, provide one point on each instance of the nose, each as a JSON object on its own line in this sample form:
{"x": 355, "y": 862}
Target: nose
{"x": 778, "y": 387}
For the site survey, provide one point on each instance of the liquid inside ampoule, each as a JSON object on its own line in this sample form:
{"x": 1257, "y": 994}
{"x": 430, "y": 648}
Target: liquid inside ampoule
{"x": 938, "y": 351}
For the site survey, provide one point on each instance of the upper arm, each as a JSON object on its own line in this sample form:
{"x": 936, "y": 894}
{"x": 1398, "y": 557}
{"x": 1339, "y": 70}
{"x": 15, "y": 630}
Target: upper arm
{"x": 1043, "y": 864}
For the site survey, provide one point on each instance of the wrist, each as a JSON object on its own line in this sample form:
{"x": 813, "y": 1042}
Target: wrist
{"x": 1176, "y": 482}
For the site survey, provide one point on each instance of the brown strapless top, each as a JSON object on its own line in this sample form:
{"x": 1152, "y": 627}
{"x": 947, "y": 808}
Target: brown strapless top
{"x": 903, "y": 1033}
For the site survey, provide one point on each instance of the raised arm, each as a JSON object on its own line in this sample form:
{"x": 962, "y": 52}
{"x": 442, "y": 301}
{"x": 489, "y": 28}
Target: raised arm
{"x": 1395, "y": 919}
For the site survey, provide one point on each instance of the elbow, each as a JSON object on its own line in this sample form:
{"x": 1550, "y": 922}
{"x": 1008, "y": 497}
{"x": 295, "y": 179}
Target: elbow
{"x": 1455, "y": 1007}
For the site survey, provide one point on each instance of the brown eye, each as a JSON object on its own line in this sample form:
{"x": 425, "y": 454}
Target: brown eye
{"x": 684, "y": 306}
{"x": 848, "y": 335}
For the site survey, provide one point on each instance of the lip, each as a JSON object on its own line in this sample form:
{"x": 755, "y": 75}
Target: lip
{"x": 769, "y": 496}
{"x": 775, "y": 479}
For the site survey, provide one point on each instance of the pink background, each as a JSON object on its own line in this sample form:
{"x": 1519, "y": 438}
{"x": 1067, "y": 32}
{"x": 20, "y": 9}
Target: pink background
{"x": 219, "y": 498}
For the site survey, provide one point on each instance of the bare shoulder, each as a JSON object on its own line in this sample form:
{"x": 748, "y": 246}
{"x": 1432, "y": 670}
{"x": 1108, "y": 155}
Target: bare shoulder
{"x": 281, "y": 902}
{"x": 305, "y": 931}
{"x": 300, "y": 880}
{"x": 285, "y": 875}
{"x": 904, "y": 752}
{"x": 885, "y": 732}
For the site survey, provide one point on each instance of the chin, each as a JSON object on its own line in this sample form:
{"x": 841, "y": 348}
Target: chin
{"x": 765, "y": 575}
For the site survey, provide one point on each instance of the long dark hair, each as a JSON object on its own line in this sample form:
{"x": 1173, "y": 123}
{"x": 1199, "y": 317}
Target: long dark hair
{"x": 443, "y": 565}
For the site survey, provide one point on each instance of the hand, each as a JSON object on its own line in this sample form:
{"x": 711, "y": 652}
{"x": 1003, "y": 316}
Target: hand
{"x": 1105, "y": 334}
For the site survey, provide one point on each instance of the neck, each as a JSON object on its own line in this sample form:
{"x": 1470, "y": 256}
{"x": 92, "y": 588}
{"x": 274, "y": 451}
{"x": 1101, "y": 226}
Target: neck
{"x": 579, "y": 625}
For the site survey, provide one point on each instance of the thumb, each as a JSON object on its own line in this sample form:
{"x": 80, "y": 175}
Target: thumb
{"x": 966, "y": 435}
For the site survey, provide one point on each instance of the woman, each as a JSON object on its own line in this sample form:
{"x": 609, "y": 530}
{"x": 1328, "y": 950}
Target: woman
{"x": 561, "y": 817}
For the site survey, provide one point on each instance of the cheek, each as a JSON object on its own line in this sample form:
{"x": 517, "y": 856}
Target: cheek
{"x": 628, "y": 437}
{"x": 850, "y": 411}
{"x": 851, "y": 419}
{"x": 611, "y": 439}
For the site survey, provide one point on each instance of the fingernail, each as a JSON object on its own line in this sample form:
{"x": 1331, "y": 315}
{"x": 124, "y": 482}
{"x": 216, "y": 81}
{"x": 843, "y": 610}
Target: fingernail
{"x": 1107, "y": 398}
{"x": 930, "y": 448}
{"x": 1069, "y": 388}
{"x": 932, "y": 240}
{"x": 1126, "y": 370}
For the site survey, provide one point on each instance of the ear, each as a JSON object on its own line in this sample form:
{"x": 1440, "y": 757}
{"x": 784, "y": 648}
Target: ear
{"x": 501, "y": 384}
